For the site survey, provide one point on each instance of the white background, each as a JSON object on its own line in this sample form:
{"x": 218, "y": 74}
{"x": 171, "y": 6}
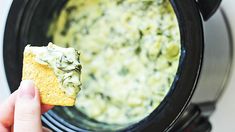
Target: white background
{"x": 223, "y": 119}
{"x": 4, "y": 7}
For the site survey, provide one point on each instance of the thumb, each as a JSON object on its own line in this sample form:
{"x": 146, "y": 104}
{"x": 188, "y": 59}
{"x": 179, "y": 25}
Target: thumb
{"x": 27, "y": 116}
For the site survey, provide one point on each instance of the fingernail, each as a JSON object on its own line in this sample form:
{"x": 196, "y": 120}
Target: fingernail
{"x": 27, "y": 90}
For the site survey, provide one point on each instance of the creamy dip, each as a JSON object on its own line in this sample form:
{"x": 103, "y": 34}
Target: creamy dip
{"x": 130, "y": 55}
{"x": 64, "y": 62}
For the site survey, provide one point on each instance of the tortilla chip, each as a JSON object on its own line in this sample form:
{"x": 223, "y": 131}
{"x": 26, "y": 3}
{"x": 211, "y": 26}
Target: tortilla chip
{"x": 46, "y": 81}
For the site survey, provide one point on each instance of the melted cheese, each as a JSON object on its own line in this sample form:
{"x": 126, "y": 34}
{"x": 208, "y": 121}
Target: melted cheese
{"x": 130, "y": 53}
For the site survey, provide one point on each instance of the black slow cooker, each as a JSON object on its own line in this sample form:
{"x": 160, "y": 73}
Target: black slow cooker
{"x": 28, "y": 22}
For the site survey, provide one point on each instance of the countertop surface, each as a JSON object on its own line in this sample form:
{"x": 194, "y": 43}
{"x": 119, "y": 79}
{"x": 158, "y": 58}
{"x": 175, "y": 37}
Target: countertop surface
{"x": 223, "y": 119}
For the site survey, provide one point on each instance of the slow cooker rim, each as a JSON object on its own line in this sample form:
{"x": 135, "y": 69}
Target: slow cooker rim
{"x": 177, "y": 5}
{"x": 186, "y": 24}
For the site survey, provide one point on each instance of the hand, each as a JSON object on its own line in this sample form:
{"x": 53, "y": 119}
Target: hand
{"x": 21, "y": 112}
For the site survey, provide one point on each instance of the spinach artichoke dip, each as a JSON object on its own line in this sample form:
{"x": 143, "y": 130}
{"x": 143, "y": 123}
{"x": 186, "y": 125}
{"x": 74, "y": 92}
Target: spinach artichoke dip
{"x": 65, "y": 64}
{"x": 130, "y": 55}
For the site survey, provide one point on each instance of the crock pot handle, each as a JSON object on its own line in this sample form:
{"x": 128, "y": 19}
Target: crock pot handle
{"x": 208, "y": 7}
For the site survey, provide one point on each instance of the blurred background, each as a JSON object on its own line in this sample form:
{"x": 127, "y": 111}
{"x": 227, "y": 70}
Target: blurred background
{"x": 215, "y": 92}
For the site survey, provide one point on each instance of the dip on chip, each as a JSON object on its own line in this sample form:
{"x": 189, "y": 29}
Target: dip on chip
{"x": 55, "y": 71}
{"x": 131, "y": 52}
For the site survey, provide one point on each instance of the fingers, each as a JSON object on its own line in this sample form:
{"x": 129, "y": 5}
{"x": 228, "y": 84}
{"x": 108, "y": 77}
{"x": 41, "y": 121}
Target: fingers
{"x": 4, "y": 129}
{"x": 7, "y": 111}
{"x": 27, "y": 109}
{"x": 45, "y": 108}
{"x": 44, "y": 129}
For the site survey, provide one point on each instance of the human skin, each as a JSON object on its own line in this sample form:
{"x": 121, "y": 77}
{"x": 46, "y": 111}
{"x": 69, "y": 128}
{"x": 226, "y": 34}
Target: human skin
{"x": 22, "y": 110}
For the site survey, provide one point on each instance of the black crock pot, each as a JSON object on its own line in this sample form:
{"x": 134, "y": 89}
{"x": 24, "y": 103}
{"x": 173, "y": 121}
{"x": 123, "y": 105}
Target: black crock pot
{"x": 28, "y": 22}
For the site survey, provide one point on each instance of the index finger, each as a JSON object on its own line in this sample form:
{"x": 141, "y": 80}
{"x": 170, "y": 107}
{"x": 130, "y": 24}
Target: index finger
{"x": 7, "y": 110}
{"x": 45, "y": 108}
